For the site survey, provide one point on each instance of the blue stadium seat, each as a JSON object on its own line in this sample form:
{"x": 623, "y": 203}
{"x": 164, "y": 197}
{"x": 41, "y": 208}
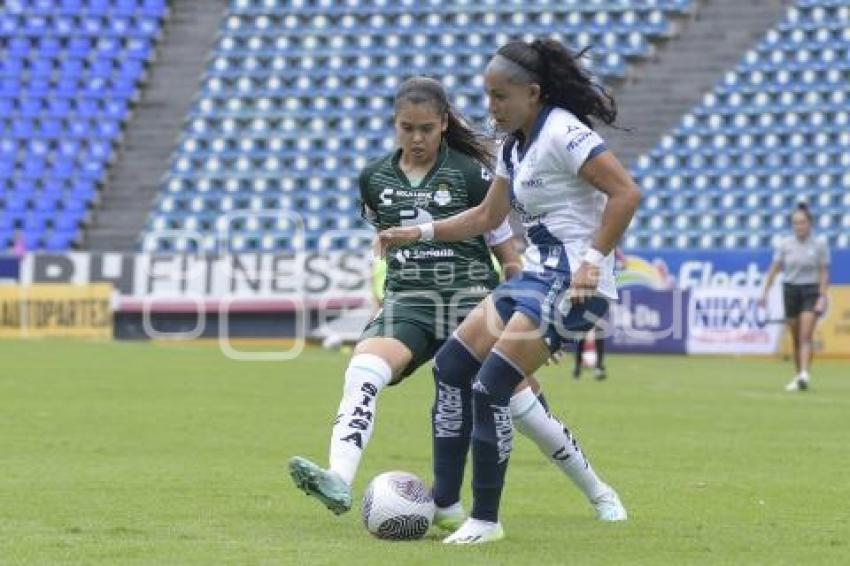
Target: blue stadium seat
{"x": 773, "y": 131}
{"x": 69, "y": 71}
{"x": 297, "y": 96}
{"x": 60, "y": 240}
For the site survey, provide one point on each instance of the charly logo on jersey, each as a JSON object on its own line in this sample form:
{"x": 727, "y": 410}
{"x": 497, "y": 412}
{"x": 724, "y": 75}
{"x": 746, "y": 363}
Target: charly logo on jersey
{"x": 442, "y": 196}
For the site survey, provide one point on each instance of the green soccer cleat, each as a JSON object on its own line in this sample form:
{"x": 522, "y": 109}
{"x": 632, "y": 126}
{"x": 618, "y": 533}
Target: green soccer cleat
{"x": 324, "y": 485}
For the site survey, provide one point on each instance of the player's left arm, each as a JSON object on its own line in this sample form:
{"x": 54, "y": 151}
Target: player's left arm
{"x": 820, "y": 305}
{"x": 823, "y": 280}
{"x": 607, "y": 175}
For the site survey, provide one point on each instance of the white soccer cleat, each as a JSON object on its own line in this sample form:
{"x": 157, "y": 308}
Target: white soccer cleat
{"x": 799, "y": 383}
{"x": 608, "y": 507}
{"x": 449, "y": 518}
{"x": 475, "y": 531}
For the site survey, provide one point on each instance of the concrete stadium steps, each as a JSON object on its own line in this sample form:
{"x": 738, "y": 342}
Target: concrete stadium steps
{"x": 682, "y": 69}
{"x": 134, "y": 180}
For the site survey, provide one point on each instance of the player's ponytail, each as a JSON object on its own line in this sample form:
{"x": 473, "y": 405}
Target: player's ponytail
{"x": 461, "y": 137}
{"x": 458, "y": 135}
{"x": 563, "y": 81}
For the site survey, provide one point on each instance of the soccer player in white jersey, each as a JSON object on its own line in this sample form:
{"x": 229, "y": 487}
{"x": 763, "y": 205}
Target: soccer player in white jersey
{"x": 576, "y": 200}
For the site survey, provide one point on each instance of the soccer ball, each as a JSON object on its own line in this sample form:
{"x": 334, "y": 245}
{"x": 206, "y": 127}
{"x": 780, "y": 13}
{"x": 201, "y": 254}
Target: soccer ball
{"x": 397, "y": 506}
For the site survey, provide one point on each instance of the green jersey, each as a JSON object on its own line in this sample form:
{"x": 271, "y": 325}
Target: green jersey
{"x": 455, "y": 183}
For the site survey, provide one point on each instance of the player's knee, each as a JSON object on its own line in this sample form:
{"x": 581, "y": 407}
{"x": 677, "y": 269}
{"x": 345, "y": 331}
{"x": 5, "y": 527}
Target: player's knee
{"x": 480, "y": 330}
{"x": 499, "y": 376}
{"x": 367, "y": 370}
{"x": 455, "y": 363}
{"x": 391, "y": 351}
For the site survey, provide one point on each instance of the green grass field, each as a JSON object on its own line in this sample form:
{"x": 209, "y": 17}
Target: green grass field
{"x": 130, "y": 453}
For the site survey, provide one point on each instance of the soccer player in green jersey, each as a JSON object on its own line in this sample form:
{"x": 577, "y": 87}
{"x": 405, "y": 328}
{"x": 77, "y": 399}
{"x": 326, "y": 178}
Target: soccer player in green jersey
{"x": 441, "y": 168}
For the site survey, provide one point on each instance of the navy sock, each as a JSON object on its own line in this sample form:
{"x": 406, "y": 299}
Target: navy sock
{"x": 492, "y": 433}
{"x": 579, "y": 349}
{"x": 451, "y": 418}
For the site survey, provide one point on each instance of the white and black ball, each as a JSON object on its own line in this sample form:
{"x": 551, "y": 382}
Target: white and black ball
{"x": 398, "y": 506}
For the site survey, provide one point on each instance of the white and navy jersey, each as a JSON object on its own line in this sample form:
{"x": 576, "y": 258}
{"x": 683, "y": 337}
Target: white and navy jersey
{"x": 561, "y": 211}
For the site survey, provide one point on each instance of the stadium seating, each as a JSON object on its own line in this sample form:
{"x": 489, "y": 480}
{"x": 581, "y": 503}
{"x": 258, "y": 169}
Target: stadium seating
{"x": 773, "y": 132}
{"x": 297, "y": 98}
{"x": 69, "y": 72}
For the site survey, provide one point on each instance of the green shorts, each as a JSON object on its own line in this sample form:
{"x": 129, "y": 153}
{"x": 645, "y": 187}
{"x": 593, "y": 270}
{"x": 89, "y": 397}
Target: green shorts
{"x": 420, "y": 326}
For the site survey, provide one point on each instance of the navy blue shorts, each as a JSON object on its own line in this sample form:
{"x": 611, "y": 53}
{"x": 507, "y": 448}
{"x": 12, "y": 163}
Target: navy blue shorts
{"x": 540, "y": 296}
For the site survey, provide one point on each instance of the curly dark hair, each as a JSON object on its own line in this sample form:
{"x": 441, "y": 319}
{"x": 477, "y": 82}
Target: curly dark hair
{"x": 458, "y": 135}
{"x": 562, "y": 79}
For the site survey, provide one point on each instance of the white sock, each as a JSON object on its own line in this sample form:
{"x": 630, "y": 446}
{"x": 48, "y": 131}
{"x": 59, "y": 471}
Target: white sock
{"x": 452, "y": 509}
{"x": 803, "y": 375}
{"x": 366, "y": 375}
{"x": 555, "y": 441}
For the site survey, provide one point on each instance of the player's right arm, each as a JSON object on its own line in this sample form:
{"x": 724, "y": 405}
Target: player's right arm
{"x": 368, "y": 202}
{"x": 772, "y": 272}
{"x": 477, "y": 220}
